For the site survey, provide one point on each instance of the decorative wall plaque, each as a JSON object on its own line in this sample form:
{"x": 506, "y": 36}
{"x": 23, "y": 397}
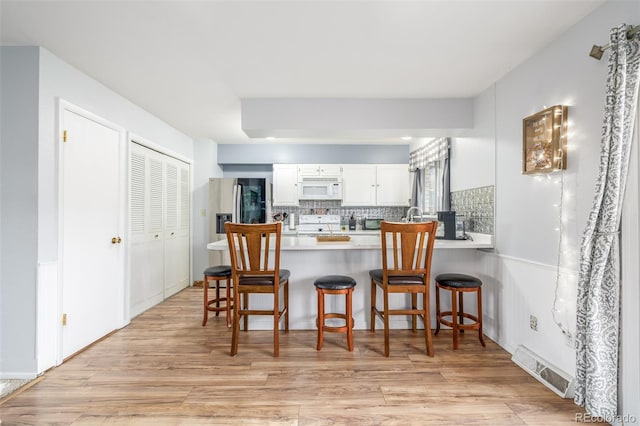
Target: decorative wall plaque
{"x": 544, "y": 141}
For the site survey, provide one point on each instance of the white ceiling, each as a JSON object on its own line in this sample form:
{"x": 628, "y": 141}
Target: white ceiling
{"x": 190, "y": 62}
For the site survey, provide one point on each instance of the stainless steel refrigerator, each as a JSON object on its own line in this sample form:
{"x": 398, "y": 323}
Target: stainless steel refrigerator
{"x": 240, "y": 200}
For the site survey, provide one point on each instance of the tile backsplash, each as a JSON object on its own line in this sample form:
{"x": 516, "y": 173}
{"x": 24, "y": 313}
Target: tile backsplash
{"x": 334, "y": 207}
{"x": 476, "y": 204}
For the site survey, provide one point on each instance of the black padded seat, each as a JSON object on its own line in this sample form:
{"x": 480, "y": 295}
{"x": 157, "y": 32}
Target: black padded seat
{"x": 264, "y": 280}
{"x": 218, "y": 271}
{"x": 335, "y": 282}
{"x": 376, "y": 275}
{"x": 458, "y": 280}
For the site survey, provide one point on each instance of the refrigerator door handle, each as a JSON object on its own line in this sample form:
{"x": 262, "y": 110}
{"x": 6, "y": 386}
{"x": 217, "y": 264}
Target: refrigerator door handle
{"x": 235, "y": 202}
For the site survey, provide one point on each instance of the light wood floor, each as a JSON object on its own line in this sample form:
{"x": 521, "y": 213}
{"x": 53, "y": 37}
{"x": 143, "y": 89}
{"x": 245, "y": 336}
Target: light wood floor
{"x": 166, "y": 369}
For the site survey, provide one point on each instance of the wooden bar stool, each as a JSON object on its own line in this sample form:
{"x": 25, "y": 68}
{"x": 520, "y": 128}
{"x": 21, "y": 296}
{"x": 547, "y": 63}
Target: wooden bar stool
{"x": 458, "y": 284}
{"x": 335, "y": 284}
{"x": 217, "y": 274}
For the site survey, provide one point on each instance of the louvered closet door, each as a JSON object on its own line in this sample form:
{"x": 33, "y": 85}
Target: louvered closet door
{"x": 160, "y": 235}
{"x": 176, "y": 247}
{"x": 146, "y": 227}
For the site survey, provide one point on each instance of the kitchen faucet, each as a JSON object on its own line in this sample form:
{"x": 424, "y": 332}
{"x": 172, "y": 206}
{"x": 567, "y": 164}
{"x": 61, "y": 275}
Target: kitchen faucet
{"x": 410, "y": 217}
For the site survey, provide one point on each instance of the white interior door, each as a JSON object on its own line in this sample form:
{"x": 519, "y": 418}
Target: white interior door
{"x": 92, "y": 272}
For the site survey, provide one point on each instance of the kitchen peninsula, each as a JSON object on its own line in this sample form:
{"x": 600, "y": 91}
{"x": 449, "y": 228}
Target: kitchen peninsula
{"x": 308, "y": 259}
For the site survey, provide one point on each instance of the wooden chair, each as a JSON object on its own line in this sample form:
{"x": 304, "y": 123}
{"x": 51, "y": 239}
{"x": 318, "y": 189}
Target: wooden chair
{"x": 408, "y": 271}
{"x": 255, "y": 268}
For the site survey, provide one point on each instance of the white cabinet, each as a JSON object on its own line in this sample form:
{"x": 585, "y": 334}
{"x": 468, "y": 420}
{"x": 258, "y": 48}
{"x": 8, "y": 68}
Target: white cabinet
{"x": 285, "y": 185}
{"x": 393, "y": 185}
{"x": 159, "y": 227}
{"x": 310, "y": 170}
{"x": 375, "y": 185}
{"x": 359, "y": 185}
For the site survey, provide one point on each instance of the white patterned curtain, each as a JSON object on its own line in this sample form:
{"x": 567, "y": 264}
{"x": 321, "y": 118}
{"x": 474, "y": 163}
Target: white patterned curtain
{"x": 598, "y": 304}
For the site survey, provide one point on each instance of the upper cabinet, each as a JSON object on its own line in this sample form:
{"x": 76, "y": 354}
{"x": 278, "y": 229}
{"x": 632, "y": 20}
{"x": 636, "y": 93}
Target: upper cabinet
{"x": 359, "y": 185}
{"x": 285, "y": 185}
{"x": 310, "y": 170}
{"x": 362, "y": 184}
{"x": 375, "y": 185}
{"x": 393, "y": 185}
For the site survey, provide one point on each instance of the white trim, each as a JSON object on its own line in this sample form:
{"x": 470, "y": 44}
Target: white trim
{"x": 46, "y": 316}
{"x": 521, "y": 260}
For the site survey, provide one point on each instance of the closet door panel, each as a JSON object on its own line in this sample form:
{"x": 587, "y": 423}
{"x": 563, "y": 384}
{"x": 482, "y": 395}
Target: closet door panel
{"x": 176, "y": 247}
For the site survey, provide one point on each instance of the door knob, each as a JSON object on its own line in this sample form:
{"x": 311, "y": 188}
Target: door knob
{"x": 119, "y": 240}
{"x": 116, "y": 240}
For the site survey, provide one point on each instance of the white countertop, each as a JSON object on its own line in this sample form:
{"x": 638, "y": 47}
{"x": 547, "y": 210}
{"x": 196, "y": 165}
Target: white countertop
{"x": 363, "y": 240}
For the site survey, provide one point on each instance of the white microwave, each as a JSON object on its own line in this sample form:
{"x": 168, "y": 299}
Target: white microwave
{"x": 318, "y": 188}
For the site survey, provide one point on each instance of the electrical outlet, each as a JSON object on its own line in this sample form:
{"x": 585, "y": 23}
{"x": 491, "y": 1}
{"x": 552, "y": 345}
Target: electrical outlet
{"x": 533, "y": 322}
{"x": 569, "y": 340}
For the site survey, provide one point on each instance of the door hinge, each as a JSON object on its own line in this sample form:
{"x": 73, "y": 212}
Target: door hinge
{"x": 64, "y": 136}
{"x": 64, "y": 319}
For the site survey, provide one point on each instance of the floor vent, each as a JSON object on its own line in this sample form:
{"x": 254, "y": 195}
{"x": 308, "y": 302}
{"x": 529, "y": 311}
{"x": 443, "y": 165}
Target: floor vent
{"x": 545, "y": 372}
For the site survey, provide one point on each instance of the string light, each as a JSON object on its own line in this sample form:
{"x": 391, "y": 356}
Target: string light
{"x": 561, "y": 281}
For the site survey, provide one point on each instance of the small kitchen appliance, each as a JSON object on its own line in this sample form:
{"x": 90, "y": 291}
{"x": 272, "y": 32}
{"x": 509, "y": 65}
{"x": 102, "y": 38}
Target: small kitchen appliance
{"x": 319, "y": 188}
{"x": 450, "y": 226}
{"x": 371, "y": 224}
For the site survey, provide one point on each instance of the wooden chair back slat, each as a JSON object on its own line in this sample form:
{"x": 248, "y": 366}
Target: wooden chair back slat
{"x": 250, "y": 248}
{"x": 412, "y": 247}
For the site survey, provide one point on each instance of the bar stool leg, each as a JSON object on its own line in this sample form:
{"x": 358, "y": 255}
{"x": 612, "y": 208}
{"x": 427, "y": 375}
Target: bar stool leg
{"x": 320, "y": 319}
{"x": 349, "y": 320}
{"x": 461, "y": 310}
{"x": 217, "y": 296}
{"x": 454, "y": 318}
{"x": 205, "y": 285}
{"x": 480, "y": 316}
{"x": 228, "y": 302}
{"x": 373, "y": 305}
{"x": 438, "y": 316}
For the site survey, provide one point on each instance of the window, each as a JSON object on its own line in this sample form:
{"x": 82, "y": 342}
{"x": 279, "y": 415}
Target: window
{"x": 430, "y": 165}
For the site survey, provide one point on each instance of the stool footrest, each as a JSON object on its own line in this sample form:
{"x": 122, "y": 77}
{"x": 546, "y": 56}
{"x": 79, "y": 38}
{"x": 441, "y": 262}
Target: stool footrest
{"x": 449, "y": 323}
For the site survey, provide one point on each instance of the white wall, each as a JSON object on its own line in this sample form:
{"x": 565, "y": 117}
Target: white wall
{"x": 472, "y": 157}
{"x": 206, "y": 166}
{"x": 521, "y": 275}
{"x": 33, "y": 158}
